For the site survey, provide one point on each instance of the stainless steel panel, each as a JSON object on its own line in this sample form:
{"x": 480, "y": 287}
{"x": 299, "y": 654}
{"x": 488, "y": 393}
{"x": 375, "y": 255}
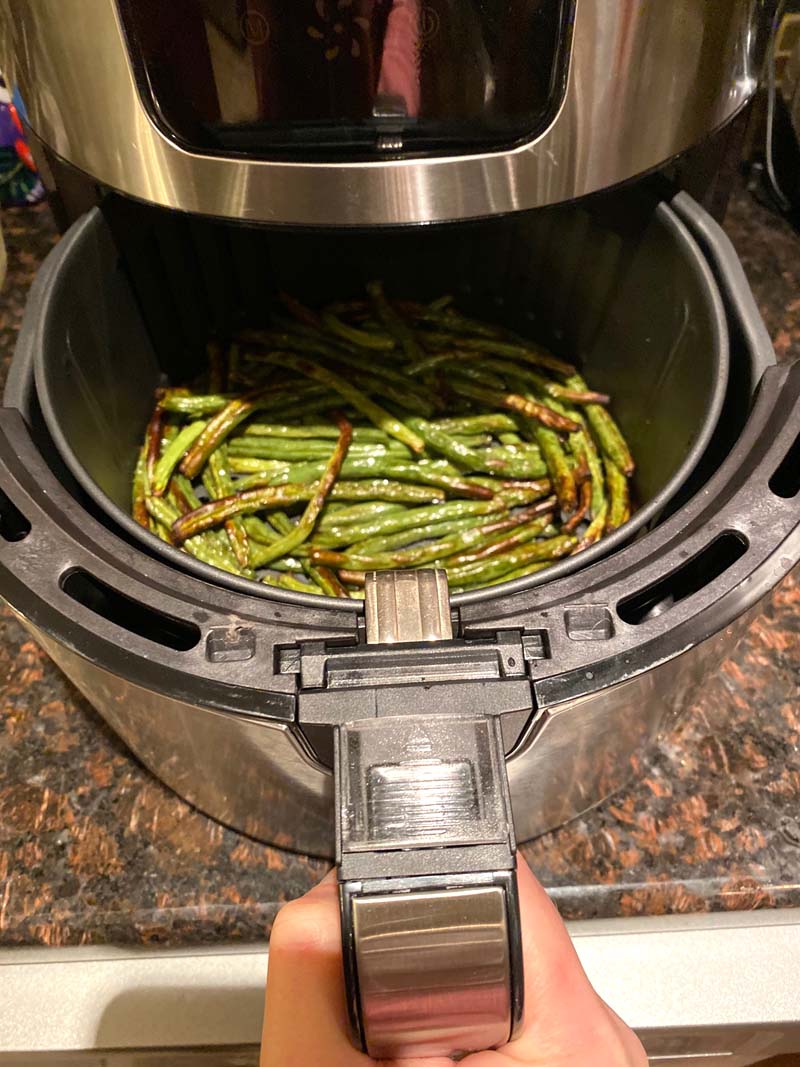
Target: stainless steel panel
{"x": 255, "y": 775}
{"x": 645, "y": 82}
{"x": 584, "y": 750}
{"x": 433, "y": 971}
{"x": 248, "y": 773}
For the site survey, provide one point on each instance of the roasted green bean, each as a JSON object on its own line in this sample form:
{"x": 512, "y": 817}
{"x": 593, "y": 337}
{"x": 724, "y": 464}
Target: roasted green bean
{"x": 381, "y": 433}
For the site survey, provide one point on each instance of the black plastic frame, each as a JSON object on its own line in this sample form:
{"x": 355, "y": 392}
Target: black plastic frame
{"x": 64, "y": 535}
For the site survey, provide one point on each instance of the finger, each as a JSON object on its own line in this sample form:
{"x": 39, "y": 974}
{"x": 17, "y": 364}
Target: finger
{"x": 565, "y": 1021}
{"x": 305, "y": 1018}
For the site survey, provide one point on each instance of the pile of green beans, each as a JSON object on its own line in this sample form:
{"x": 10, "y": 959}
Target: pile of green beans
{"x": 377, "y": 434}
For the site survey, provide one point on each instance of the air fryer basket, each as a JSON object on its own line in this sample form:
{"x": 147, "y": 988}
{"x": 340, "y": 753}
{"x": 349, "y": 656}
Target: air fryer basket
{"x": 620, "y": 286}
{"x": 225, "y": 693}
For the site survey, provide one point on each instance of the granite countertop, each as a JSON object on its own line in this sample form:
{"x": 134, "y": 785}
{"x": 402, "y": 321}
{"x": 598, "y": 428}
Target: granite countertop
{"x": 94, "y": 849}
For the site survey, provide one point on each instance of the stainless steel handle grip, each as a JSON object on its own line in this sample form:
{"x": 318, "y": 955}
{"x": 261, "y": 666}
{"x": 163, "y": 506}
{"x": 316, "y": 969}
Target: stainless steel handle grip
{"x": 430, "y": 918}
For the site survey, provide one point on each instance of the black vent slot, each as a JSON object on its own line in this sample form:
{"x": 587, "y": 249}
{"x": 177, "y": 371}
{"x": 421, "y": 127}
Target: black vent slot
{"x": 688, "y": 579}
{"x": 129, "y": 614}
{"x": 13, "y": 524}
{"x": 785, "y": 481}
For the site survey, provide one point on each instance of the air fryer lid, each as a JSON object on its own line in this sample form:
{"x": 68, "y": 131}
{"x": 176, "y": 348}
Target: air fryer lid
{"x": 625, "y": 292}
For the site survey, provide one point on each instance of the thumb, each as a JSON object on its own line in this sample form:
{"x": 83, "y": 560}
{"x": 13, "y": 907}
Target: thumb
{"x": 305, "y": 1018}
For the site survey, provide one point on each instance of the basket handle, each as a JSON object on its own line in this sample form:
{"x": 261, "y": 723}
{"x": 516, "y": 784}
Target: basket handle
{"x": 426, "y": 854}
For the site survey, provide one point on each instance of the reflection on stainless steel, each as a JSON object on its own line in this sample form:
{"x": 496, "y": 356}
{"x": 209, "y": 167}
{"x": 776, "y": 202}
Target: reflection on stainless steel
{"x": 433, "y": 970}
{"x": 646, "y": 81}
{"x": 251, "y": 775}
{"x": 584, "y": 750}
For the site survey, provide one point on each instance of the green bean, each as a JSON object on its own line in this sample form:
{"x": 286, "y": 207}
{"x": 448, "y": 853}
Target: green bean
{"x": 258, "y": 530}
{"x": 140, "y": 489}
{"x": 162, "y": 511}
{"x": 546, "y": 387}
{"x": 455, "y": 321}
{"x": 376, "y": 414}
{"x": 327, "y": 580}
{"x": 560, "y": 472}
{"x": 411, "y": 518}
{"x": 511, "y": 372}
{"x": 595, "y": 529}
{"x": 395, "y": 325}
{"x": 521, "y": 494}
{"x": 211, "y": 547}
{"x": 181, "y": 489}
{"x": 539, "y": 551}
{"x": 422, "y": 486}
{"x": 583, "y": 441}
{"x": 372, "y": 467}
{"x": 524, "y": 439}
{"x": 386, "y": 489}
{"x": 527, "y": 352}
{"x": 215, "y": 512}
{"x": 474, "y": 372}
{"x": 262, "y": 558}
{"x": 352, "y": 577}
{"x": 311, "y": 431}
{"x": 173, "y": 454}
{"x": 255, "y": 465}
{"x": 302, "y": 530}
{"x": 216, "y": 430}
{"x": 511, "y": 576}
{"x": 356, "y": 512}
{"x": 497, "y": 569}
{"x": 522, "y": 405}
{"x": 300, "y": 311}
{"x": 473, "y": 440}
{"x": 421, "y": 554}
{"x": 362, "y": 338}
{"x": 288, "y": 581}
{"x": 497, "y": 423}
{"x": 454, "y": 485}
{"x": 516, "y": 464}
{"x": 320, "y": 576}
{"x": 194, "y": 406}
{"x": 505, "y": 542}
{"x": 376, "y": 377}
{"x": 152, "y": 441}
{"x": 608, "y": 434}
{"x": 374, "y": 545}
{"x": 219, "y": 485}
{"x": 432, "y": 530}
{"x": 619, "y": 507}
{"x": 293, "y": 451}
{"x": 541, "y": 485}
{"x": 442, "y": 442}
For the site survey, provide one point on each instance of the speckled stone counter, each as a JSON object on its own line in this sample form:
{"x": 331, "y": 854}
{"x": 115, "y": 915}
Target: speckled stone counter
{"x": 94, "y": 849}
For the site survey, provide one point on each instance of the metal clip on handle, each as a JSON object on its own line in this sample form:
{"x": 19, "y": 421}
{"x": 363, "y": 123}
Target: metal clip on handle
{"x": 425, "y": 846}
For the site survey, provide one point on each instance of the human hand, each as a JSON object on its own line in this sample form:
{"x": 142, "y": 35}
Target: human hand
{"x": 566, "y": 1023}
